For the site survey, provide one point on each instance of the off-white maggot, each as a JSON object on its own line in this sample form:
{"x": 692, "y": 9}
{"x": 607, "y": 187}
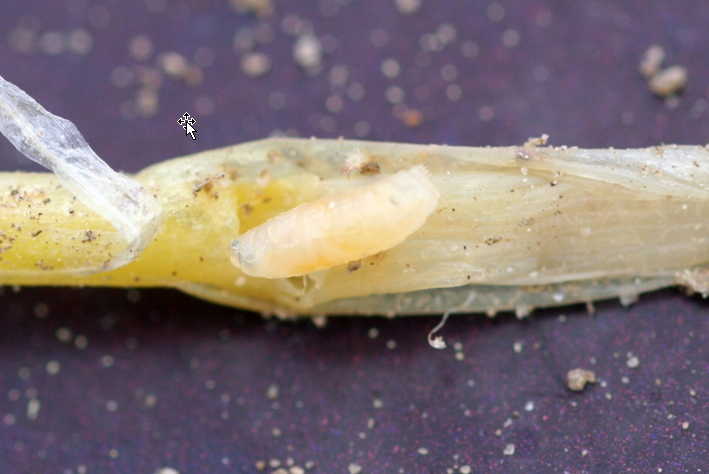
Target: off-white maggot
{"x": 339, "y": 228}
{"x": 514, "y": 227}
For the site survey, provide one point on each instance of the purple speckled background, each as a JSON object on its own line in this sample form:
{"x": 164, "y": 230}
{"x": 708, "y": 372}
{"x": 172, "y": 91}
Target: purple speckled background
{"x": 128, "y": 381}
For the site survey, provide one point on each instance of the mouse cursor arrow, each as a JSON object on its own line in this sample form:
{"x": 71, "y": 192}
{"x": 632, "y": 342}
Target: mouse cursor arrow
{"x": 190, "y": 131}
{"x": 186, "y": 121}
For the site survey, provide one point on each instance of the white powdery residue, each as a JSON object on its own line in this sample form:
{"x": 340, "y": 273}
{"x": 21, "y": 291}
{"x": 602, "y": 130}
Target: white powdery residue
{"x": 408, "y": 7}
{"x": 255, "y": 64}
{"x": 150, "y": 400}
{"x": 107, "y": 361}
{"x": 307, "y": 51}
{"x": 167, "y": 470}
{"x": 668, "y": 81}
{"x": 81, "y": 342}
{"x": 633, "y": 362}
{"x": 140, "y": 47}
{"x": 64, "y": 334}
{"x": 80, "y": 41}
{"x": 33, "y": 408}
{"x": 390, "y": 68}
{"x": 52, "y": 367}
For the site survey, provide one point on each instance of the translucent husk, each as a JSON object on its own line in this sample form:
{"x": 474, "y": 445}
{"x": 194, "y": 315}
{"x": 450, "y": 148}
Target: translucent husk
{"x": 56, "y": 144}
{"x": 515, "y": 227}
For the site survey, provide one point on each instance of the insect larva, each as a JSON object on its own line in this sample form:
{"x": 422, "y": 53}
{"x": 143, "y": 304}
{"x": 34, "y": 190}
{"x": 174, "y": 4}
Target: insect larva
{"x": 339, "y": 228}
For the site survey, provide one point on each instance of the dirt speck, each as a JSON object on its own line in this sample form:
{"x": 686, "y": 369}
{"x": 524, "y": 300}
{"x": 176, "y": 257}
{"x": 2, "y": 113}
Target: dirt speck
{"x": 578, "y": 378}
{"x": 652, "y": 60}
{"x": 353, "y": 266}
{"x": 668, "y": 81}
{"x": 633, "y": 362}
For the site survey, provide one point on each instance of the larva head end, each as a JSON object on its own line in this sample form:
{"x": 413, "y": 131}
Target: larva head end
{"x": 242, "y": 256}
{"x": 236, "y": 258}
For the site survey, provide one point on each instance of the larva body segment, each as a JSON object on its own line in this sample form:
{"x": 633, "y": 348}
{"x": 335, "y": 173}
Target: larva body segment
{"x": 338, "y": 228}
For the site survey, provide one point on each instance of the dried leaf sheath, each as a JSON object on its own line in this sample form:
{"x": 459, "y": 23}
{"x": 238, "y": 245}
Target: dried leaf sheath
{"x": 514, "y": 227}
